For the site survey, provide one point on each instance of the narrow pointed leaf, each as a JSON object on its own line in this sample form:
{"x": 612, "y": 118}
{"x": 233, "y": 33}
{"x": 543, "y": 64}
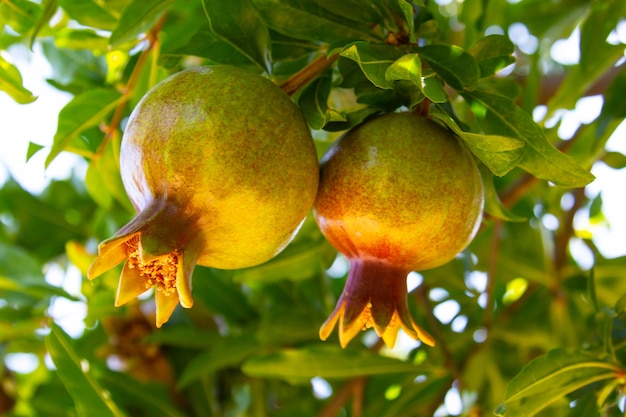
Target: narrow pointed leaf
{"x": 89, "y": 13}
{"x": 313, "y": 102}
{"x": 433, "y": 89}
{"x": 407, "y": 12}
{"x": 596, "y": 55}
{"x": 493, "y": 205}
{"x": 499, "y": 153}
{"x": 551, "y": 377}
{"x": 229, "y": 351}
{"x": 90, "y": 398}
{"x": 153, "y": 397}
{"x": 137, "y": 17}
{"x": 49, "y": 8}
{"x": 21, "y": 15}
{"x": 11, "y": 83}
{"x": 374, "y": 60}
{"x": 603, "y": 18}
{"x": 33, "y": 148}
{"x": 238, "y": 23}
{"x": 454, "y": 65}
{"x": 299, "y": 365}
{"x": 305, "y": 20}
{"x": 366, "y": 12}
{"x": 499, "y": 115}
{"x": 84, "y": 111}
{"x": 492, "y": 53}
{"x": 407, "y": 67}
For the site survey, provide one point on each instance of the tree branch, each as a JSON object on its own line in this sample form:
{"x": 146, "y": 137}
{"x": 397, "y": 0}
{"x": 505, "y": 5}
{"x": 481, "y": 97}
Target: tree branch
{"x": 341, "y": 397}
{"x": 109, "y": 131}
{"x": 491, "y": 274}
{"x": 566, "y": 231}
{"x": 306, "y": 74}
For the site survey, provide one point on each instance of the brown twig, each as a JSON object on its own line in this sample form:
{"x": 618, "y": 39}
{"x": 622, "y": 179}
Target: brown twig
{"x": 306, "y": 74}
{"x": 491, "y": 274}
{"x": 566, "y": 231}
{"x": 357, "y": 397}
{"x": 422, "y": 293}
{"x": 109, "y": 131}
{"x": 341, "y": 397}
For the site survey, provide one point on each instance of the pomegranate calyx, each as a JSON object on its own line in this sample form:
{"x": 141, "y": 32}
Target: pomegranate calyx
{"x": 374, "y": 297}
{"x": 168, "y": 272}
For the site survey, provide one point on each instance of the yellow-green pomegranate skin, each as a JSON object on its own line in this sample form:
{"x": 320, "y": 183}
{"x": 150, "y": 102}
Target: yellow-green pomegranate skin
{"x": 230, "y": 150}
{"x": 398, "y": 193}
{"x": 221, "y": 168}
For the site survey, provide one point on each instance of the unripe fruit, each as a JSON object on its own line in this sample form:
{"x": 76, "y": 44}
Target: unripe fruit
{"x": 220, "y": 165}
{"x": 398, "y": 193}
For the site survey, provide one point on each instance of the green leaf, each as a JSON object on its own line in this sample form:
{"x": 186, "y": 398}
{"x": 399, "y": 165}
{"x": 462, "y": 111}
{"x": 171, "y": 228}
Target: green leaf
{"x": 33, "y": 148}
{"x": 183, "y": 336}
{"x": 82, "y": 112}
{"x": 614, "y": 107}
{"x": 216, "y": 290}
{"x": 499, "y": 115}
{"x": 229, "y": 351}
{"x": 499, "y": 153}
{"x": 153, "y": 398}
{"x": 596, "y": 55}
{"x": 49, "y": 8}
{"x": 492, "y": 53}
{"x": 305, "y": 20}
{"x": 407, "y": 13}
{"x": 238, "y": 23}
{"x": 493, "y": 205}
{"x": 21, "y": 15}
{"x": 325, "y": 361}
{"x": 89, "y": 13}
{"x": 11, "y": 83}
{"x": 407, "y": 67}
{"x": 299, "y": 261}
{"x": 90, "y": 398}
{"x": 373, "y": 59}
{"x": 551, "y": 377}
{"x": 74, "y": 70}
{"x": 81, "y": 39}
{"x": 313, "y": 101}
{"x": 433, "y": 89}
{"x": 96, "y": 188}
{"x": 353, "y": 118}
{"x": 103, "y": 180}
{"x": 453, "y": 64}
{"x": 137, "y": 17}
{"x": 615, "y": 160}
{"x": 362, "y": 11}
{"x": 206, "y": 44}
{"x": 603, "y": 18}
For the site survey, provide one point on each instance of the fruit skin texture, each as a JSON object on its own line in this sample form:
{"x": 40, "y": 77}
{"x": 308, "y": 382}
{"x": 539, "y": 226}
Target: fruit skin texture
{"x": 398, "y": 193}
{"x": 221, "y": 168}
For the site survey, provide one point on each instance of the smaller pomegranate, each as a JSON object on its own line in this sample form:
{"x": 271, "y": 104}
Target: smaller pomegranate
{"x": 221, "y": 167}
{"x": 398, "y": 193}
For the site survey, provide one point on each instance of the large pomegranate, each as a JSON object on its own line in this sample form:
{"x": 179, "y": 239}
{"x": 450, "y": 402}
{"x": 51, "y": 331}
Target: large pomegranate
{"x": 220, "y": 165}
{"x": 398, "y": 193}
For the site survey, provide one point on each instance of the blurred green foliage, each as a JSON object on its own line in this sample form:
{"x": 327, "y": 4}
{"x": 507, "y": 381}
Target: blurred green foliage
{"x": 535, "y": 329}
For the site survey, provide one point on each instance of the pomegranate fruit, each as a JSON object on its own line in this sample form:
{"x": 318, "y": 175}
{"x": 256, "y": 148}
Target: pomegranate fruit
{"x": 221, "y": 168}
{"x": 397, "y": 194}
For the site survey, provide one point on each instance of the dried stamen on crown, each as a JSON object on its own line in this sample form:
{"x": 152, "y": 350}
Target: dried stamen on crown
{"x": 159, "y": 273}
